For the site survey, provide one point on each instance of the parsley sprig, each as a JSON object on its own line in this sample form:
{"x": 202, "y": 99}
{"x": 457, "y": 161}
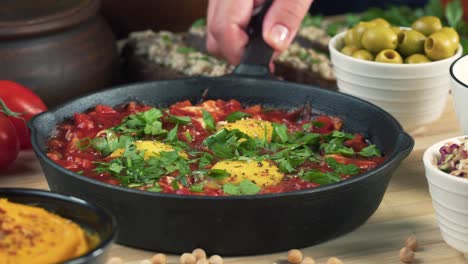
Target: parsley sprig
{"x": 142, "y": 123}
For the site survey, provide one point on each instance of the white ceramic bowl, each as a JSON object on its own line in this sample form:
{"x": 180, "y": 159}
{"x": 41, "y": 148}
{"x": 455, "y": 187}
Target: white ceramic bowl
{"x": 415, "y": 94}
{"x": 459, "y": 84}
{"x": 449, "y": 199}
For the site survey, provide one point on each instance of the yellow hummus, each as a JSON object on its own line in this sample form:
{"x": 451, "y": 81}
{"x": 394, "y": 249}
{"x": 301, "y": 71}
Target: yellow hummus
{"x": 33, "y": 235}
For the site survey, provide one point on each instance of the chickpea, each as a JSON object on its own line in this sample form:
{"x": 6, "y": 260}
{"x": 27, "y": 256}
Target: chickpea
{"x": 334, "y": 260}
{"x": 114, "y": 260}
{"x": 187, "y": 258}
{"x": 308, "y": 260}
{"x": 215, "y": 259}
{"x": 159, "y": 259}
{"x": 199, "y": 253}
{"x": 412, "y": 243}
{"x": 295, "y": 256}
{"x": 406, "y": 255}
{"x": 146, "y": 261}
{"x": 202, "y": 261}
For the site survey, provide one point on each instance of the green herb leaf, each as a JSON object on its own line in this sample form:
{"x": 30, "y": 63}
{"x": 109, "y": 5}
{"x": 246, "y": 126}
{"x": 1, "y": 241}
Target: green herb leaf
{"x": 315, "y": 21}
{"x": 147, "y": 123}
{"x": 186, "y": 50}
{"x": 182, "y": 120}
{"x": 172, "y": 135}
{"x": 175, "y": 185}
{"x": 117, "y": 168}
{"x": 110, "y": 143}
{"x": 336, "y": 147}
{"x": 280, "y": 133}
{"x": 209, "y": 120}
{"x": 228, "y": 144}
{"x": 236, "y": 116}
{"x": 155, "y": 188}
{"x": 370, "y": 151}
{"x": 321, "y": 177}
{"x": 188, "y": 136}
{"x": 454, "y": 13}
{"x": 433, "y": 8}
{"x": 218, "y": 174}
{"x": 248, "y": 188}
{"x": 196, "y": 188}
{"x": 205, "y": 160}
{"x": 347, "y": 169}
{"x": 231, "y": 189}
{"x": 201, "y": 22}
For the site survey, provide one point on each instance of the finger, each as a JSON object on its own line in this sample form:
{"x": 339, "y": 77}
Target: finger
{"x": 211, "y": 7}
{"x": 226, "y": 36}
{"x": 210, "y": 41}
{"x": 282, "y": 22}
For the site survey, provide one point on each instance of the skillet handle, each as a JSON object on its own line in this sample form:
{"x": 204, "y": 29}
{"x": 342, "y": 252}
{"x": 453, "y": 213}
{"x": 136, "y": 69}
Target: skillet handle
{"x": 256, "y": 59}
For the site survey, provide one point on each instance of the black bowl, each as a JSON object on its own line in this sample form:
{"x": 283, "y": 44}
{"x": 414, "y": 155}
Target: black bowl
{"x": 239, "y": 225}
{"x": 79, "y": 211}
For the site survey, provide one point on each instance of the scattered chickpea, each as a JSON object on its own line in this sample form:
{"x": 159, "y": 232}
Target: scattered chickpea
{"x": 412, "y": 243}
{"x": 202, "y": 261}
{"x": 294, "y": 256}
{"x": 159, "y": 259}
{"x": 199, "y": 253}
{"x": 406, "y": 255}
{"x": 334, "y": 260}
{"x": 114, "y": 260}
{"x": 187, "y": 258}
{"x": 308, "y": 260}
{"x": 215, "y": 259}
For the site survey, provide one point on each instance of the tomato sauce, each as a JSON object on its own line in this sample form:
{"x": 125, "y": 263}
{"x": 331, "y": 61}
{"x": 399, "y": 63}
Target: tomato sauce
{"x": 69, "y": 145}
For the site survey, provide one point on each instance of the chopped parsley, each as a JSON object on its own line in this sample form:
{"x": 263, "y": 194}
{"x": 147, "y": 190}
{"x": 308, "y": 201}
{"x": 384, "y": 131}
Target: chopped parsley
{"x": 236, "y": 116}
{"x": 246, "y": 187}
{"x": 209, "y": 120}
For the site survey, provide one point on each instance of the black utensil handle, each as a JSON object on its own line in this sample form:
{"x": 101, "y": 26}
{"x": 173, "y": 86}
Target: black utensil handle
{"x": 256, "y": 59}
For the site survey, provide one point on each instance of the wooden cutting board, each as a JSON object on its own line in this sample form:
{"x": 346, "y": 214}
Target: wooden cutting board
{"x": 406, "y": 209}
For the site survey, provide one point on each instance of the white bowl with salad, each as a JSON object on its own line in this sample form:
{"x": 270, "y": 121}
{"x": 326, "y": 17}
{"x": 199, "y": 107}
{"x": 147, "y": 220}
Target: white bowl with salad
{"x": 446, "y": 166}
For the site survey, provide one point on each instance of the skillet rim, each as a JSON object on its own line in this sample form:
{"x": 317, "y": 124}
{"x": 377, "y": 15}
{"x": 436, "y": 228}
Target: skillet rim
{"x": 395, "y": 157}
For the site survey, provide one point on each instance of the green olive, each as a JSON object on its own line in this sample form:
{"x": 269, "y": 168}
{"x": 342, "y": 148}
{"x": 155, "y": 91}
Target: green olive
{"x": 352, "y": 38}
{"x": 427, "y": 25}
{"x": 438, "y": 46}
{"x": 380, "y": 22}
{"x": 348, "y": 50}
{"x": 363, "y": 54}
{"x": 379, "y": 38}
{"x": 453, "y": 35}
{"x": 396, "y": 29}
{"x": 410, "y": 42}
{"x": 417, "y": 58}
{"x": 389, "y": 56}
{"x": 356, "y": 33}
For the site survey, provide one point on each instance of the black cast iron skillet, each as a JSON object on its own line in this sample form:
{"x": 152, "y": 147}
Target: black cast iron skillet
{"x": 239, "y": 225}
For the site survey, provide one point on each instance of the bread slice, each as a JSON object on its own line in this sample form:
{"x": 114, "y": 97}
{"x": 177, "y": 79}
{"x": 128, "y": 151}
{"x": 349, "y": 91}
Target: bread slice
{"x": 161, "y": 55}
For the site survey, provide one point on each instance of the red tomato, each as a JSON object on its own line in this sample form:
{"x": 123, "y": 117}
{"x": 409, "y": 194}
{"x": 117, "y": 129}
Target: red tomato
{"x": 21, "y": 100}
{"x": 9, "y": 142}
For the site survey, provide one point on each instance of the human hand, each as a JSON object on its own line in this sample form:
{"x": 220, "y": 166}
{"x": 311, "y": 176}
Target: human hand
{"x": 227, "y": 21}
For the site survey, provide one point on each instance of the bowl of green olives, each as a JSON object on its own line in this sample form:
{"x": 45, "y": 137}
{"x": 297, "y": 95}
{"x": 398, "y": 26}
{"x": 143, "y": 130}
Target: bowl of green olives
{"x": 404, "y": 70}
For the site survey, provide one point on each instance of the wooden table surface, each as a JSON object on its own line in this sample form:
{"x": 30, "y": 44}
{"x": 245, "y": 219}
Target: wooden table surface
{"x": 406, "y": 209}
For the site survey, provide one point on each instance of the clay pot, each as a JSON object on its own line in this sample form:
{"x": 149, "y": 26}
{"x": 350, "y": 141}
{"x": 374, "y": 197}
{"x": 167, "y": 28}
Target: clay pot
{"x": 59, "y": 49}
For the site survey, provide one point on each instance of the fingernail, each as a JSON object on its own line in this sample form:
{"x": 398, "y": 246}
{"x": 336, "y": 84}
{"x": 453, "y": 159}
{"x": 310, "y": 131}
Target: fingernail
{"x": 279, "y": 34}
